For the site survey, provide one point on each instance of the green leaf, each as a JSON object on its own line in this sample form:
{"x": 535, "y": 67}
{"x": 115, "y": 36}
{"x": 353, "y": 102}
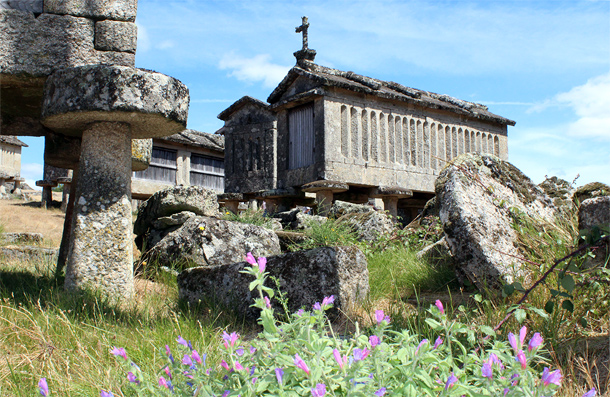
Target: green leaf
{"x": 518, "y": 286}
{"x": 550, "y": 305}
{"x": 478, "y": 298}
{"x": 567, "y": 282}
{"x": 554, "y": 292}
{"x": 568, "y": 305}
{"x": 539, "y": 312}
{"x": 487, "y": 330}
{"x": 435, "y": 325}
{"x": 520, "y": 315}
{"x": 508, "y": 290}
{"x": 253, "y": 285}
{"x": 583, "y": 322}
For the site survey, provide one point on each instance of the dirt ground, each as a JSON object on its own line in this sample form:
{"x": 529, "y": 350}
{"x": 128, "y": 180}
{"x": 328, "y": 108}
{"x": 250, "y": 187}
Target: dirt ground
{"x": 27, "y": 216}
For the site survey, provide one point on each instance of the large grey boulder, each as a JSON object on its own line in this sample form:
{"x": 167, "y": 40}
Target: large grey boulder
{"x": 340, "y": 208}
{"x": 595, "y": 213}
{"x": 560, "y": 191}
{"x": 207, "y": 241}
{"x": 368, "y": 226}
{"x": 306, "y": 277}
{"x": 476, "y": 196}
{"x": 591, "y": 190}
{"x": 167, "y": 202}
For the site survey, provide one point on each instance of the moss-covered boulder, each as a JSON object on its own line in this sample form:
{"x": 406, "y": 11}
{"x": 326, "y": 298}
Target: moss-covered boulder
{"x": 591, "y": 190}
{"x": 560, "y": 191}
{"x": 478, "y": 197}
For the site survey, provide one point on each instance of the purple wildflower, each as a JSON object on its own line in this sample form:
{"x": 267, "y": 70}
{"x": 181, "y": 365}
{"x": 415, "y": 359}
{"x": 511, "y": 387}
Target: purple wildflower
{"x": 298, "y": 361}
{"x": 181, "y": 341}
{"x": 163, "y": 382}
{"x": 590, "y": 393}
{"x": 512, "y": 339}
{"x": 169, "y": 353}
{"x": 380, "y": 392}
{"x": 380, "y": 316}
{"x": 361, "y": 354}
{"x": 493, "y": 359}
{"x": 328, "y": 300}
{"x": 238, "y": 366}
{"x": 423, "y": 342}
{"x": 439, "y": 304}
{"x": 198, "y": 358}
{"x": 319, "y": 390}
{"x": 252, "y": 349}
{"x": 300, "y": 312}
{"x": 522, "y": 335}
{"x": 224, "y": 364}
{"x": 437, "y": 343}
{"x": 186, "y": 360}
{"x": 250, "y": 259}
{"x": 506, "y": 390}
{"x": 374, "y": 340}
{"x": 104, "y": 393}
{"x": 168, "y": 372}
{"x": 226, "y": 393}
{"x": 535, "y": 341}
{"x": 451, "y": 381}
{"x": 551, "y": 377}
{"x": 240, "y": 351}
{"x": 267, "y": 302}
{"x": 44, "y": 387}
{"x": 487, "y": 371}
{"x": 229, "y": 338}
{"x": 317, "y": 306}
{"x": 279, "y": 374}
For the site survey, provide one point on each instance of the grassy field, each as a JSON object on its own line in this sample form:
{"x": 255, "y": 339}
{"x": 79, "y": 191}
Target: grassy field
{"x": 46, "y": 332}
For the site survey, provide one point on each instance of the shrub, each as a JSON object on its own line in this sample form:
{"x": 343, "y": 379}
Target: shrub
{"x": 304, "y": 357}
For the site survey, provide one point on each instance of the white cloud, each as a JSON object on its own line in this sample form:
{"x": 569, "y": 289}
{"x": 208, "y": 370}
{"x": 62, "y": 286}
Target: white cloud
{"x": 255, "y": 69}
{"x": 143, "y": 39}
{"x": 165, "y": 45}
{"x": 32, "y": 172}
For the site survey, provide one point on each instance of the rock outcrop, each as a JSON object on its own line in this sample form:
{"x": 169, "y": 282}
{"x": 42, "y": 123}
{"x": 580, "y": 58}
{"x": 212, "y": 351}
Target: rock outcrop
{"x": 594, "y": 213}
{"x": 591, "y": 190}
{"x": 476, "y": 196}
{"x": 368, "y": 226}
{"x": 305, "y": 277}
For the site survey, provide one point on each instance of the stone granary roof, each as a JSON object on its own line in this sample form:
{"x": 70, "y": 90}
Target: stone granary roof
{"x": 11, "y": 140}
{"x": 224, "y": 115}
{"x": 198, "y": 138}
{"x": 328, "y": 77}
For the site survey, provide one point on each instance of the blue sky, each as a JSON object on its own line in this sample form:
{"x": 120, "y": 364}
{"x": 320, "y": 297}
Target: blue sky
{"x": 544, "y": 64}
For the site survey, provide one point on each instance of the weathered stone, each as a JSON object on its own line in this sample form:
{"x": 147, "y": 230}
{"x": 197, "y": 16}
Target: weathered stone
{"x": 560, "y": 191}
{"x": 368, "y": 226}
{"x": 173, "y": 200}
{"x": 590, "y": 190}
{"x": 27, "y": 253}
{"x": 475, "y": 195}
{"x": 592, "y": 213}
{"x": 177, "y": 219}
{"x": 141, "y": 153}
{"x": 22, "y": 238}
{"x": 206, "y": 241}
{"x": 437, "y": 254}
{"x": 120, "y": 10}
{"x": 343, "y": 207}
{"x": 305, "y": 277}
{"x": 116, "y": 36}
{"x": 288, "y": 239}
{"x": 153, "y": 104}
{"x": 101, "y": 254}
{"x": 116, "y": 58}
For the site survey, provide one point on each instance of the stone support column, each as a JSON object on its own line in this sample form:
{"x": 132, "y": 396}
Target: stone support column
{"x": 103, "y": 208}
{"x": 324, "y": 200}
{"x": 390, "y": 204}
{"x": 324, "y": 191}
{"x": 64, "y": 247}
{"x": 253, "y": 204}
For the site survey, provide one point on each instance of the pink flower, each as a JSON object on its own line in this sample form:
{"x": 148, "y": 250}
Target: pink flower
{"x": 439, "y": 304}
{"x": 493, "y": 359}
{"x": 225, "y": 365}
{"x": 423, "y": 342}
{"x": 513, "y": 341}
{"x": 229, "y": 339}
{"x": 119, "y": 351}
{"x": 374, "y": 340}
{"x": 380, "y": 316}
{"x": 238, "y": 366}
{"x": 522, "y": 335}
{"x": 132, "y": 378}
{"x": 104, "y": 393}
{"x": 250, "y": 259}
{"x": 590, "y": 393}
{"x": 535, "y": 341}
{"x": 340, "y": 360}
{"x": 267, "y": 302}
{"x": 437, "y": 343}
{"x": 163, "y": 382}
{"x": 551, "y": 377}
{"x": 43, "y": 387}
{"x": 299, "y": 363}
{"x": 182, "y": 341}
{"x": 186, "y": 360}
{"x": 262, "y": 262}
{"x": 279, "y": 374}
{"x": 197, "y": 357}
{"x": 168, "y": 372}
{"x": 328, "y": 300}
{"x": 522, "y": 359}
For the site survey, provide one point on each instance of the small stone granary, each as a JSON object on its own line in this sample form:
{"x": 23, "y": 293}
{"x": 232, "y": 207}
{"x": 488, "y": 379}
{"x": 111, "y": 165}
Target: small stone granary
{"x": 67, "y": 74}
{"x": 10, "y": 162}
{"x": 345, "y": 136}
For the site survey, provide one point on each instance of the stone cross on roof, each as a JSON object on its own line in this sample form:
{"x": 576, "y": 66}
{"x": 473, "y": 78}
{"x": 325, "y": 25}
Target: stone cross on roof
{"x": 303, "y": 28}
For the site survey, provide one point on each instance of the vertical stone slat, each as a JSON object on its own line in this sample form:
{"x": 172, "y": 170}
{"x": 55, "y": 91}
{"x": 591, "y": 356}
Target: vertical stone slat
{"x": 440, "y": 136}
{"x": 460, "y": 141}
{"x": 344, "y": 132}
{"x": 405, "y": 141}
{"x": 383, "y": 138}
{"x": 484, "y": 143}
{"x": 466, "y": 141}
{"x": 391, "y": 139}
{"x": 426, "y": 146}
{"x": 413, "y": 142}
{"x": 398, "y": 139}
{"x": 478, "y": 142}
{"x": 448, "y": 143}
{"x": 354, "y": 131}
{"x": 374, "y": 138}
{"x": 420, "y": 143}
{"x": 365, "y": 135}
{"x": 496, "y": 146}
{"x": 433, "y": 146}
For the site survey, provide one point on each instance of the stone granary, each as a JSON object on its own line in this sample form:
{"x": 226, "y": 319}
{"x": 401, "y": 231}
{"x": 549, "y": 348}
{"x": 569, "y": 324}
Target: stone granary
{"x": 52, "y": 177}
{"x": 10, "y": 162}
{"x": 67, "y": 74}
{"x": 350, "y": 137}
{"x": 189, "y": 158}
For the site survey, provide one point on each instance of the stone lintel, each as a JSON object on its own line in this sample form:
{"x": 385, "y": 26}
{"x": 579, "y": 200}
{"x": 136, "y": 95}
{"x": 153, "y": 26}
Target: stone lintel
{"x": 331, "y": 186}
{"x": 64, "y": 180}
{"x": 45, "y": 183}
{"x": 391, "y": 191}
{"x": 119, "y": 10}
{"x": 277, "y": 193}
{"x": 223, "y": 197}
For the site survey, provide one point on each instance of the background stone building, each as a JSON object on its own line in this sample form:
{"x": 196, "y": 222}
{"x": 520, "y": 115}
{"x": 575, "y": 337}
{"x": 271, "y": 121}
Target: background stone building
{"x": 187, "y": 158}
{"x": 350, "y": 137}
{"x": 10, "y": 161}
